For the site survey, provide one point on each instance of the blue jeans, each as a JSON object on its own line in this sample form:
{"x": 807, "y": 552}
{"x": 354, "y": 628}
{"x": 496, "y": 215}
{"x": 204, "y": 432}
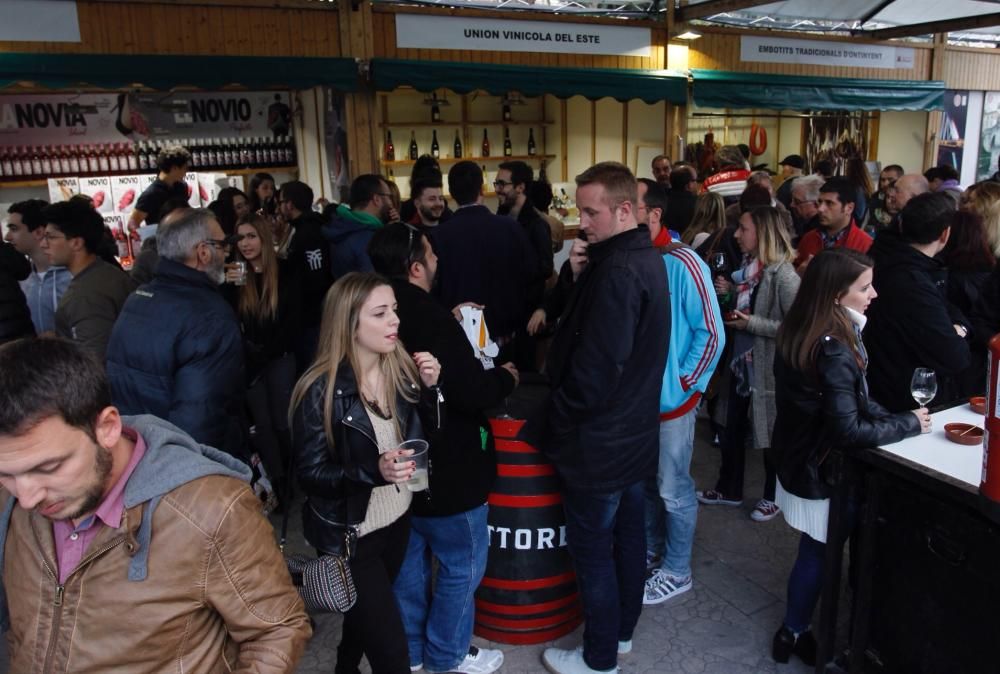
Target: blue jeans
{"x": 673, "y": 491}
{"x": 605, "y": 533}
{"x": 439, "y": 626}
{"x": 805, "y": 584}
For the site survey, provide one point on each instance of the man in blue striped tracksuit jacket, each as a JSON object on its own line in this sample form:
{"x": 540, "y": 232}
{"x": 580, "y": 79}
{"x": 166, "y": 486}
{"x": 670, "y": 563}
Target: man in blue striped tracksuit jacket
{"x": 696, "y": 341}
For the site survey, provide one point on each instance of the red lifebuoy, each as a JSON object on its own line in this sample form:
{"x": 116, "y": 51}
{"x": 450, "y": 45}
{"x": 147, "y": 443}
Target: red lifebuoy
{"x": 758, "y": 139}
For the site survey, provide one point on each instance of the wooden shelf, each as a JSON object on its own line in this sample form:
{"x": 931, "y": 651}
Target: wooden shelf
{"x": 478, "y": 160}
{"x": 393, "y": 125}
{"x": 515, "y": 122}
{"x": 483, "y": 122}
{"x": 229, "y": 172}
{"x": 23, "y": 183}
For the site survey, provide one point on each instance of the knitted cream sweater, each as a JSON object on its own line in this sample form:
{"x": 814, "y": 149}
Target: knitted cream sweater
{"x": 387, "y": 504}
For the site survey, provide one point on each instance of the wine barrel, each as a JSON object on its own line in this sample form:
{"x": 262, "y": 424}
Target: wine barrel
{"x": 529, "y": 592}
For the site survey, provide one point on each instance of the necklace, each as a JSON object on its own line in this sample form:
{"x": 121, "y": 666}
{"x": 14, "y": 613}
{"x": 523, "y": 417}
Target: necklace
{"x": 372, "y": 403}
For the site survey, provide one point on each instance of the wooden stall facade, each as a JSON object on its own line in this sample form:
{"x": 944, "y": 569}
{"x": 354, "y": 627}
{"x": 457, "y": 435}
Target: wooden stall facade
{"x": 304, "y": 28}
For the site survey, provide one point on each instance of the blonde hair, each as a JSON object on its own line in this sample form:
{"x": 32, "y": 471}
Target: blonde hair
{"x": 709, "y": 216}
{"x": 338, "y": 329}
{"x": 259, "y": 303}
{"x": 773, "y": 244}
{"x": 985, "y": 202}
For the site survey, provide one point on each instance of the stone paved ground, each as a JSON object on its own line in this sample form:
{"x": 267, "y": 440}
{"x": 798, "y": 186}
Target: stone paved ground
{"x": 723, "y": 625}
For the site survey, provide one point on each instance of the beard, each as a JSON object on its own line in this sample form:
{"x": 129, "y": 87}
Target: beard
{"x": 94, "y": 492}
{"x": 217, "y": 272}
{"x": 430, "y": 214}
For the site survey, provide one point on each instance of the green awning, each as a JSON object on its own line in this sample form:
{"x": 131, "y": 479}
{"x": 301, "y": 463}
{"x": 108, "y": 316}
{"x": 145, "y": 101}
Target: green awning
{"x": 720, "y": 89}
{"x": 593, "y": 83}
{"x": 115, "y": 71}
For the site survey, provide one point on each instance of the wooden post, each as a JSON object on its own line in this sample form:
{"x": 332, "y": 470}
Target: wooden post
{"x": 938, "y": 56}
{"x": 356, "y": 30}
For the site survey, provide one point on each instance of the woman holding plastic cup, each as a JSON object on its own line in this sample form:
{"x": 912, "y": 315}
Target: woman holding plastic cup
{"x": 360, "y": 400}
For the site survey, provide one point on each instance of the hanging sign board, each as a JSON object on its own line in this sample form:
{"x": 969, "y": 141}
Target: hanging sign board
{"x": 416, "y": 31}
{"x": 763, "y": 49}
{"x": 33, "y": 21}
{"x": 55, "y": 119}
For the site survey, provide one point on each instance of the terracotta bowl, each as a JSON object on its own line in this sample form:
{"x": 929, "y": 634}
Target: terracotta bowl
{"x": 978, "y": 404}
{"x": 964, "y": 434}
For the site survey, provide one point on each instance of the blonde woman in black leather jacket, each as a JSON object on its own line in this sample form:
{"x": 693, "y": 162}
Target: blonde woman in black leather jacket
{"x": 351, "y": 409}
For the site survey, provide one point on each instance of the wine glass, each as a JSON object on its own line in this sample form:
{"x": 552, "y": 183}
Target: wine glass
{"x": 923, "y": 385}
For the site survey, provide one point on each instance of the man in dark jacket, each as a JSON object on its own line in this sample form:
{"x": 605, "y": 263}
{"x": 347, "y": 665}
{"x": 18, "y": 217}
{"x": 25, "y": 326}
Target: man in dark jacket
{"x": 352, "y": 228}
{"x": 484, "y": 258}
{"x": 448, "y": 520}
{"x": 512, "y": 185}
{"x": 606, "y": 367}
{"x": 15, "y": 319}
{"x": 682, "y": 197}
{"x": 309, "y": 263}
{"x": 911, "y": 324}
{"x": 176, "y": 349}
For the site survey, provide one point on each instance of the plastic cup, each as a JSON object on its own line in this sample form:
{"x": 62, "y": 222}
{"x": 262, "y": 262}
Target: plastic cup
{"x": 420, "y": 480}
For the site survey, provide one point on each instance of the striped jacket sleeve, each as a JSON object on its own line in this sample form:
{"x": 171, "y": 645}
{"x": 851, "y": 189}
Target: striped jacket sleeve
{"x": 703, "y": 316}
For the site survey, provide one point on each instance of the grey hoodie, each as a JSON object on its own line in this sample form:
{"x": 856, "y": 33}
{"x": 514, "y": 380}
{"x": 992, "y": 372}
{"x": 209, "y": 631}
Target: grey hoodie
{"x": 172, "y": 459}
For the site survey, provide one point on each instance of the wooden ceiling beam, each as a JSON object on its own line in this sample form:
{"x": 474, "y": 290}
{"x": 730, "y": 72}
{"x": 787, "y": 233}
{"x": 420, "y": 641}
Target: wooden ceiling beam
{"x": 930, "y": 27}
{"x": 711, "y": 7}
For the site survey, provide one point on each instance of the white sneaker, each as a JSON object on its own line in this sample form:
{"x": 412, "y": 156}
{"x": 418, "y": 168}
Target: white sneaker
{"x": 624, "y": 647}
{"x": 478, "y": 661}
{"x": 563, "y": 661}
{"x": 660, "y": 587}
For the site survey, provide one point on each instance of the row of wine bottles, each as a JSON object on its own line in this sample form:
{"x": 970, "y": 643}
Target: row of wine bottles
{"x": 436, "y": 112}
{"x": 48, "y": 161}
{"x": 414, "y": 151}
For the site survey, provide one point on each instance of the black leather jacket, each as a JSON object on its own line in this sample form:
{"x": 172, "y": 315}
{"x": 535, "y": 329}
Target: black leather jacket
{"x": 338, "y": 480}
{"x": 826, "y": 410}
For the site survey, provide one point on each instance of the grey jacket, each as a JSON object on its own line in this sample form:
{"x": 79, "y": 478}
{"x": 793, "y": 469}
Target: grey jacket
{"x": 777, "y": 290}
{"x": 90, "y": 305}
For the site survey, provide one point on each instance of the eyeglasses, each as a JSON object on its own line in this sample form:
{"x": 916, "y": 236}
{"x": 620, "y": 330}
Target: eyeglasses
{"x": 224, "y": 243}
{"x": 49, "y": 236}
{"x": 500, "y": 184}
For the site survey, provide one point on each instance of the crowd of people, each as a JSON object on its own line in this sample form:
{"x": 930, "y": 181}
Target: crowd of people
{"x": 270, "y": 346}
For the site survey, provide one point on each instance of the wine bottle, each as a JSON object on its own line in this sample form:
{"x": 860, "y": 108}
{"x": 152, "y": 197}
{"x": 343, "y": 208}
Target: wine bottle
{"x": 458, "y": 146}
{"x": 486, "y": 144}
{"x": 506, "y": 112}
{"x": 508, "y": 149}
{"x": 47, "y": 162}
{"x": 131, "y": 161}
{"x": 74, "y": 160}
{"x": 114, "y": 161}
{"x": 531, "y": 141}
{"x": 390, "y": 149}
{"x": 17, "y": 159}
{"x": 6, "y": 163}
{"x": 413, "y": 146}
{"x": 36, "y": 162}
{"x": 103, "y": 161}
{"x": 435, "y": 148}
{"x": 435, "y": 113}
{"x": 392, "y": 178}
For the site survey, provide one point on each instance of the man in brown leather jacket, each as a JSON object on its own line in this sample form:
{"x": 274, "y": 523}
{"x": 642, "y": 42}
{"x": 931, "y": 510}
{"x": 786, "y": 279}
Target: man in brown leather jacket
{"x": 125, "y": 546}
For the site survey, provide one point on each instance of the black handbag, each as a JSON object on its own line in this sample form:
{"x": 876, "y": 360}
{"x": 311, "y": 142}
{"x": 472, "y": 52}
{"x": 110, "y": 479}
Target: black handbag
{"x": 325, "y": 583}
